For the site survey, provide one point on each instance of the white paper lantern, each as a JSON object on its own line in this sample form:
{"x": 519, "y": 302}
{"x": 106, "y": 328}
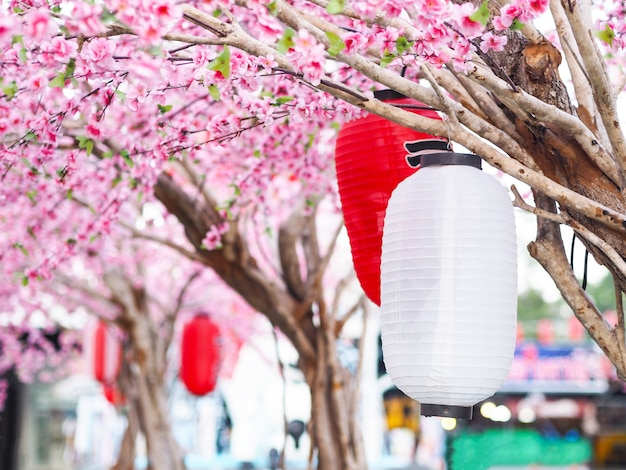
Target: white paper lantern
{"x": 449, "y": 285}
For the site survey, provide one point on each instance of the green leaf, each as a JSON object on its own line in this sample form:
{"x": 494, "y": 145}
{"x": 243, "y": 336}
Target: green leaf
{"x": 32, "y": 196}
{"x": 85, "y": 143}
{"x": 25, "y": 281}
{"x": 108, "y": 17}
{"x": 336, "y": 43}
{"x": 126, "y": 156}
{"x": 286, "y": 41}
{"x": 283, "y": 100}
{"x": 517, "y": 25}
{"x": 22, "y": 54}
{"x": 310, "y": 141}
{"x": 482, "y": 14}
{"x": 69, "y": 69}
{"x": 236, "y": 188}
{"x": 606, "y": 35}
{"x": 403, "y": 44}
{"x": 214, "y": 92}
{"x": 10, "y": 90}
{"x": 58, "y": 81}
{"x": 386, "y": 59}
{"x": 164, "y": 109}
{"x": 272, "y": 8}
{"x": 20, "y": 247}
{"x": 335, "y": 7}
{"x": 62, "y": 77}
{"x": 17, "y": 39}
{"x": 62, "y": 172}
{"x": 221, "y": 63}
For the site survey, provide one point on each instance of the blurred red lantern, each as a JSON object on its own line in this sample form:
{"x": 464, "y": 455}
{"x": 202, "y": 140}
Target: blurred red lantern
{"x": 103, "y": 352}
{"x": 575, "y": 329}
{"x": 113, "y": 395}
{"x": 200, "y": 355}
{"x": 545, "y": 331}
{"x": 373, "y": 155}
{"x": 519, "y": 336}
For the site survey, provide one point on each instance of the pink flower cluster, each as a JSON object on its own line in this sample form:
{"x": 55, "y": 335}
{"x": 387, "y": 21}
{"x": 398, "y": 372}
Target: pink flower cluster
{"x": 213, "y": 238}
{"x": 520, "y": 10}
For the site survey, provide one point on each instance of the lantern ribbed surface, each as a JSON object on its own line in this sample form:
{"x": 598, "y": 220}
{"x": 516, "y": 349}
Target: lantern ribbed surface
{"x": 449, "y": 286}
{"x": 370, "y": 160}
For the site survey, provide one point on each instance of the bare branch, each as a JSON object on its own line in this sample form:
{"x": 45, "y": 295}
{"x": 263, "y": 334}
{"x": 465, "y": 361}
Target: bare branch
{"x": 163, "y": 241}
{"x": 288, "y": 236}
{"x": 532, "y": 109}
{"x": 599, "y": 81}
{"x": 580, "y": 78}
{"x": 620, "y": 331}
{"x": 549, "y": 252}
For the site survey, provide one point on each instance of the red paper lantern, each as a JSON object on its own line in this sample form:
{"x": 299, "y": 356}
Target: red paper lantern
{"x": 545, "y": 331}
{"x": 200, "y": 354}
{"x": 103, "y": 352}
{"x": 373, "y": 155}
{"x": 519, "y": 336}
{"x": 113, "y": 395}
{"x": 575, "y": 329}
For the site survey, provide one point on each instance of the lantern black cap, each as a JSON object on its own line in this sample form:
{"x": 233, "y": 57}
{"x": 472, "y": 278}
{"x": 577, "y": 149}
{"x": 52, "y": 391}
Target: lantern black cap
{"x": 388, "y": 94}
{"x": 446, "y": 411}
{"x": 450, "y": 158}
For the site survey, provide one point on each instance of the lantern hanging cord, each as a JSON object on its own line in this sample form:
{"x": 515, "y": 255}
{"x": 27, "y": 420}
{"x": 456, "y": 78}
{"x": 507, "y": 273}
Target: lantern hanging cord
{"x": 585, "y": 263}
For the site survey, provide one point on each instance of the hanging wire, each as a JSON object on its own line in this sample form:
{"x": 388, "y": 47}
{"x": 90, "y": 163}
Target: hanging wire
{"x": 585, "y": 264}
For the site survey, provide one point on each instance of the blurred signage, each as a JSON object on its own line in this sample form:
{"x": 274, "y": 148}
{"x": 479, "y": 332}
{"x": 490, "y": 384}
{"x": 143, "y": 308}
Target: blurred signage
{"x": 560, "y": 368}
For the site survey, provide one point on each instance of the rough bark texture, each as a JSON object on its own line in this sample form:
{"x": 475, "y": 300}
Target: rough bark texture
{"x": 145, "y": 381}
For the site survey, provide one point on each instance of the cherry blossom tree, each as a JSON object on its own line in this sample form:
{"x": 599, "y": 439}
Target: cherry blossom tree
{"x": 225, "y": 113}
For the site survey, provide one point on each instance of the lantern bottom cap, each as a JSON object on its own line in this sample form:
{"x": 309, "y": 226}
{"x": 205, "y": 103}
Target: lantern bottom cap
{"x": 446, "y": 411}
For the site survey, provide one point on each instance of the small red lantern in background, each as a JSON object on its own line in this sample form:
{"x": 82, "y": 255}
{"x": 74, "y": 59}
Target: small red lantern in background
{"x": 545, "y": 331}
{"x": 373, "y": 155}
{"x": 575, "y": 329}
{"x": 519, "y": 334}
{"x": 103, "y": 352}
{"x": 200, "y": 355}
{"x": 113, "y": 395}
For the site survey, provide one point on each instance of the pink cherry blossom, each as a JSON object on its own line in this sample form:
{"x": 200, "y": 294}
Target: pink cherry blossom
{"x": 38, "y": 25}
{"x": 468, "y": 27}
{"x": 491, "y": 42}
{"x": 58, "y": 50}
{"x": 7, "y": 27}
{"x": 510, "y": 13}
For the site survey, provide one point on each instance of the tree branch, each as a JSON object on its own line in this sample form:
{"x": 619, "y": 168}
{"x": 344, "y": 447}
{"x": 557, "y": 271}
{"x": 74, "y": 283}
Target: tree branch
{"x": 600, "y": 83}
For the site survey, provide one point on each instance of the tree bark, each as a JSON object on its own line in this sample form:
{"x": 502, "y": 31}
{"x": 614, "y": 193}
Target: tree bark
{"x": 146, "y": 387}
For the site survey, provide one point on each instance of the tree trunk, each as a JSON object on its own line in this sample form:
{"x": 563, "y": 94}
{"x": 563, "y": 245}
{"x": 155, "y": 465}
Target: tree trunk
{"x": 161, "y": 448}
{"x": 333, "y": 395}
{"x": 146, "y": 386}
